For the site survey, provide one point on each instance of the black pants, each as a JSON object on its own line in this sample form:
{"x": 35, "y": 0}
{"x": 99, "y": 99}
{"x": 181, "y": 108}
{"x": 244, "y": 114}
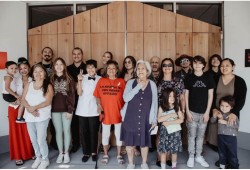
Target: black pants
{"x": 227, "y": 146}
{"x": 89, "y": 127}
{"x": 75, "y": 131}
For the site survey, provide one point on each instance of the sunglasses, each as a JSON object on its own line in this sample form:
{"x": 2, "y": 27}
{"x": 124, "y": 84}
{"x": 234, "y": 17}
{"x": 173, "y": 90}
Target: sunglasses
{"x": 127, "y": 62}
{"x": 184, "y": 60}
{"x": 167, "y": 65}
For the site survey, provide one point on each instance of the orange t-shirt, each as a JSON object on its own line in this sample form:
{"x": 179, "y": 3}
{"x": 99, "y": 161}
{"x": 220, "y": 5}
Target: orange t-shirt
{"x": 110, "y": 92}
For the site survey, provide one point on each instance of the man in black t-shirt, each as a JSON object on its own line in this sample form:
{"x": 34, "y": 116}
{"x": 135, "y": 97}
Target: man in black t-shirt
{"x": 47, "y": 56}
{"x": 74, "y": 70}
{"x": 198, "y": 96}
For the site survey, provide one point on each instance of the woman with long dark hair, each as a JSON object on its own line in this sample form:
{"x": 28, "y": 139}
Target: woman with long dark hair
{"x": 128, "y": 69}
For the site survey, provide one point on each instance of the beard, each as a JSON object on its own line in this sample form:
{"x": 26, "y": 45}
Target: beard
{"x": 48, "y": 59}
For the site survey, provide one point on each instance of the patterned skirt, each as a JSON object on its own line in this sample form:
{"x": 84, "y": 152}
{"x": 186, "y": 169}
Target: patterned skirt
{"x": 169, "y": 143}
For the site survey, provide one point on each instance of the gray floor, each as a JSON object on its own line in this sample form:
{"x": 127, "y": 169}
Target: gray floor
{"x": 76, "y": 162}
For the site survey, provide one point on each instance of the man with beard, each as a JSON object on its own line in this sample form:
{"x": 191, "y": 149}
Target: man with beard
{"x": 155, "y": 65}
{"x": 47, "y": 55}
{"x": 184, "y": 61}
{"x": 74, "y": 70}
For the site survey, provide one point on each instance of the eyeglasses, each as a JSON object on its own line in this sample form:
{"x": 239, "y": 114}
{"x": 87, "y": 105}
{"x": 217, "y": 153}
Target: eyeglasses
{"x": 184, "y": 60}
{"x": 167, "y": 65}
{"x": 127, "y": 62}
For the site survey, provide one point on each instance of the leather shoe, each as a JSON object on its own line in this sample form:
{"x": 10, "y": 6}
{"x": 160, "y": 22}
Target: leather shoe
{"x": 94, "y": 158}
{"x": 85, "y": 158}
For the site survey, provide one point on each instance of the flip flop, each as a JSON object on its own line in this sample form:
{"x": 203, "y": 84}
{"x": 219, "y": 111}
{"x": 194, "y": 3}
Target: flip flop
{"x": 120, "y": 160}
{"x": 105, "y": 159}
{"x": 19, "y": 162}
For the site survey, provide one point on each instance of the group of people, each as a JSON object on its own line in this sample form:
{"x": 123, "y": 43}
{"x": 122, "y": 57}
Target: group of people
{"x": 141, "y": 100}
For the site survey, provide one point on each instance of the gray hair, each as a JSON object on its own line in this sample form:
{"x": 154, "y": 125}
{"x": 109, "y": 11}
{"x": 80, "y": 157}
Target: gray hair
{"x": 146, "y": 63}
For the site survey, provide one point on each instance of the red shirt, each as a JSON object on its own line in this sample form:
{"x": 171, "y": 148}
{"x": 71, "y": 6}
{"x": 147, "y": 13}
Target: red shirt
{"x": 110, "y": 92}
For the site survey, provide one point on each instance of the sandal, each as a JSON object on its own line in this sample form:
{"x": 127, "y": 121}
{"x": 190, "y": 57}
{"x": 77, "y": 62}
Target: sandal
{"x": 105, "y": 159}
{"x": 120, "y": 159}
{"x": 19, "y": 162}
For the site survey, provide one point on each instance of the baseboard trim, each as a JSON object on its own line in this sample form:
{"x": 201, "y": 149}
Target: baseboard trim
{"x": 243, "y": 139}
{"x": 4, "y": 143}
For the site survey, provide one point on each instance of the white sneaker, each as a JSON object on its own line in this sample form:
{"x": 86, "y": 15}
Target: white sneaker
{"x": 131, "y": 166}
{"x": 66, "y": 158}
{"x": 36, "y": 163}
{"x": 59, "y": 158}
{"x": 202, "y": 161}
{"x": 144, "y": 166}
{"x": 190, "y": 162}
{"x": 44, "y": 164}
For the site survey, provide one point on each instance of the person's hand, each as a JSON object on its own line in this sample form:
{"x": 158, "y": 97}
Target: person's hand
{"x": 68, "y": 116}
{"x": 219, "y": 116}
{"x": 99, "y": 108}
{"x": 142, "y": 83}
{"x": 205, "y": 117}
{"x": 174, "y": 115}
{"x": 189, "y": 117}
{"x": 215, "y": 113}
{"x": 231, "y": 119}
{"x": 80, "y": 75}
{"x": 35, "y": 113}
{"x": 221, "y": 121}
{"x": 31, "y": 109}
{"x": 165, "y": 123}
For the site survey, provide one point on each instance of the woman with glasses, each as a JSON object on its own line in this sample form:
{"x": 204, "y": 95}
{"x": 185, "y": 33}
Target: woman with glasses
{"x": 167, "y": 79}
{"x": 128, "y": 68}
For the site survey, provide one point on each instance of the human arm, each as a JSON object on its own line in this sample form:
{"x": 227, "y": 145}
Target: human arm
{"x": 79, "y": 83}
{"x": 163, "y": 118}
{"x": 209, "y": 104}
{"x": 8, "y": 80}
{"x": 189, "y": 115}
{"x": 70, "y": 100}
{"x": 130, "y": 92}
{"x": 179, "y": 120}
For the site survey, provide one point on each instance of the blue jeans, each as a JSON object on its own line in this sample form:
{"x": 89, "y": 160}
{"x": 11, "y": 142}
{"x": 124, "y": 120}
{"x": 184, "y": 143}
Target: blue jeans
{"x": 38, "y": 133}
{"x": 196, "y": 131}
{"x": 227, "y": 146}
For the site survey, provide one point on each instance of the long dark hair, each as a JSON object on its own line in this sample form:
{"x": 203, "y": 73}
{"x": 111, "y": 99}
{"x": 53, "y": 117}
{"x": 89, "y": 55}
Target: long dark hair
{"x": 161, "y": 70}
{"x": 65, "y": 73}
{"x": 46, "y": 81}
{"x": 124, "y": 70}
{"x": 211, "y": 58}
{"x": 165, "y": 97}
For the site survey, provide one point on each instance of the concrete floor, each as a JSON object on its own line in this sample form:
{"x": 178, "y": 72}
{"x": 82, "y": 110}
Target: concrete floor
{"x": 76, "y": 162}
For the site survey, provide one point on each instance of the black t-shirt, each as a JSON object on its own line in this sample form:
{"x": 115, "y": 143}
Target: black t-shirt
{"x": 198, "y": 87}
{"x": 48, "y": 68}
{"x": 74, "y": 71}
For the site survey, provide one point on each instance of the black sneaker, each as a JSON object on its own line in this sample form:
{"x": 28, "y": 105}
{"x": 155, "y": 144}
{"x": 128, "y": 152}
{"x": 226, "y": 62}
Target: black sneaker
{"x": 158, "y": 163}
{"x": 169, "y": 162}
{"x": 20, "y": 120}
{"x": 94, "y": 158}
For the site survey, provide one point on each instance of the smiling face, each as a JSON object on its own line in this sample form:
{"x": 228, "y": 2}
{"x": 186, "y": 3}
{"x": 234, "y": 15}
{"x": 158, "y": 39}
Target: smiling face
{"x": 111, "y": 70}
{"x": 39, "y": 73}
{"x": 185, "y": 63}
{"x": 226, "y": 68}
{"x": 225, "y": 107}
{"x": 47, "y": 54}
{"x": 105, "y": 58}
{"x": 167, "y": 67}
{"x": 59, "y": 67}
{"x": 91, "y": 70}
{"x": 77, "y": 56}
{"x": 155, "y": 64}
{"x": 215, "y": 62}
{"x": 12, "y": 69}
{"x": 24, "y": 69}
{"x": 198, "y": 66}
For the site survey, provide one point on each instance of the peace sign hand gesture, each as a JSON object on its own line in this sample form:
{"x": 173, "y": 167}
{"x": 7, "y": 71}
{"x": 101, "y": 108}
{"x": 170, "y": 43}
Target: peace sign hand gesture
{"x": 80, "y": 75}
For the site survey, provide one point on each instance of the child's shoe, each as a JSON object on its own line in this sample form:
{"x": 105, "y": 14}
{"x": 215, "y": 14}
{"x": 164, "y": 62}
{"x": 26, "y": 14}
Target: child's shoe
{"x": 20, "y": 120}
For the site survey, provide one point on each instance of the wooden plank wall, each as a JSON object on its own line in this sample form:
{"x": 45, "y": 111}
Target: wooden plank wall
{"x": 149, "y": 31}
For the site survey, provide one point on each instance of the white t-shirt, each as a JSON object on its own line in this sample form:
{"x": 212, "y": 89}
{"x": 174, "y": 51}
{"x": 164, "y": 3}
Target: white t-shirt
{"x": 86, "y": 106}
{"x": 35, "y": 97}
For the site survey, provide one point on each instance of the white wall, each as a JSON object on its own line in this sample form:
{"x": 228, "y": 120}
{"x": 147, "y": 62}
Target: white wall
{"x": 237, "y": 39}
{"x": 13, "y": 40}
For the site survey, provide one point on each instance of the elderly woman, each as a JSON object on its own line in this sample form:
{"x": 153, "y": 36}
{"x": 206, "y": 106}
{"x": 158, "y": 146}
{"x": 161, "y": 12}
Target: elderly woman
{"x": 37, "y": 99}
{"x": 109, "y": 93}
{"x": 139, "y": 113}
{"x": 19, "y": 140}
